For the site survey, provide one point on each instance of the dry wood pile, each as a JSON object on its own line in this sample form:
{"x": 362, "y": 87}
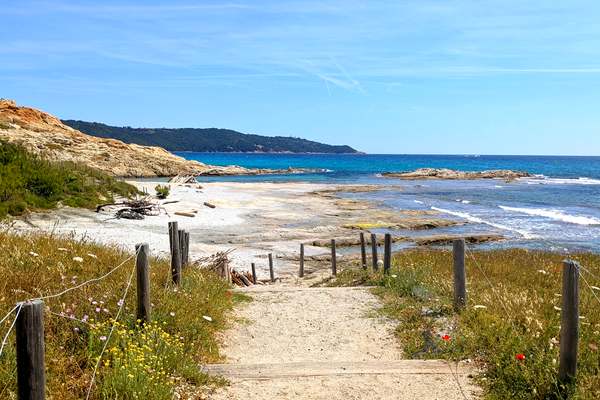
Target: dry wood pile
{"x": 134, "y": 209}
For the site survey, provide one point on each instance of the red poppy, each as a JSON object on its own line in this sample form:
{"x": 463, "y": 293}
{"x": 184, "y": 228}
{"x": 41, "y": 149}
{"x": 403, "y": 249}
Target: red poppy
{"x": 520, "y": 356}
{"x": 446, "y": 338}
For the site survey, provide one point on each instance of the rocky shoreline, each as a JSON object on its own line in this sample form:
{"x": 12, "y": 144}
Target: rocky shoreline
{"x": 449, "y": 174}
{"x": 43, "y": 134}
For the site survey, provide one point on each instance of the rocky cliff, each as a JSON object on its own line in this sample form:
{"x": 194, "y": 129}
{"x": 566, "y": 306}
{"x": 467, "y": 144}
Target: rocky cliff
{"x": 44, "y": 134}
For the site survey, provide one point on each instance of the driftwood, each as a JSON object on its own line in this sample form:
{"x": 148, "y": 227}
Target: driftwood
{"x": 185, "y": 214}
{"x": 209, "y": 205}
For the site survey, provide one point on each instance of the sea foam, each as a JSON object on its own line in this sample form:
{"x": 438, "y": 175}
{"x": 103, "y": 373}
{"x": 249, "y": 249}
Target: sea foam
{"x": 555, "y": 215}
{"x": 472, "y": 218}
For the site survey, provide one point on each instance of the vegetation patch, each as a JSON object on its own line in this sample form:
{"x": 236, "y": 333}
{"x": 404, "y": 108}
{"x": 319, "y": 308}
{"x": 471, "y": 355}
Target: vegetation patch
{"x": 28, "y": 182}
{"x": 153, "y": 361}
{"x": 511, "y": 325}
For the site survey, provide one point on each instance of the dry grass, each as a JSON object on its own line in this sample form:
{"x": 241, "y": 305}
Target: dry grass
{"x": 35, "y": 265}
{"x": 514, "y": 313}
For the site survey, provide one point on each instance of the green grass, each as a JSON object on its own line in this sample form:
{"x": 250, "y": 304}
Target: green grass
{"x": 28, "y": 182}
{"x": 520, "y": 317}
{"x": 140, "y": 363}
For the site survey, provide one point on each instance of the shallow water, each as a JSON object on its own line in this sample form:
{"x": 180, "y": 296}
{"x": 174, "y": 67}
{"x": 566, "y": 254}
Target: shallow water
{"x": 558, "y": 210}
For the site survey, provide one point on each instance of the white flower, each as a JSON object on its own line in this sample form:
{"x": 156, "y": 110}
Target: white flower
{"x": 78, "y": 259}
{"x": 394, "y": 276}
{"x": 172, "y": 314}
{"x": 206, "y": 317}
{"x": 33, "y": 254}
{"x": 102, "y": 338}
{"x": 541, "y": 271}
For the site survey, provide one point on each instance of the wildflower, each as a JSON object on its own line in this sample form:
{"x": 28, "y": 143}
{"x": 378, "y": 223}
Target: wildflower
{"x": 206, "y": 317}
{"x": 33, "y": 254}
{"x": 172, "y": 314}
{"x": 78, "y": 259}
{"x": 120, "y": 302}
{"x": 394, "y": 276}
{"x": 446, "y": 338}
{"x": 520, "y": 356}
{"x": 102, "y": 338}
{"x": 541, "y": 271}
{"x": 97, "y": 309}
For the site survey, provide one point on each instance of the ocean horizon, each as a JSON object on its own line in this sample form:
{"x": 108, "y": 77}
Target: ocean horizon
{"x": 557, "y": 209}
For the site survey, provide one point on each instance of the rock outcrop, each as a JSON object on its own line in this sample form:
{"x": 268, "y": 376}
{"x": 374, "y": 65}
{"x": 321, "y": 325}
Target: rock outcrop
{"x": 44, "y": 134}
{"x": 444, "y": 173}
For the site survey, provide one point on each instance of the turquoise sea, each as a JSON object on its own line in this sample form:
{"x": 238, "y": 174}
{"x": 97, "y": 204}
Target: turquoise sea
{"x": 558, "y": 209}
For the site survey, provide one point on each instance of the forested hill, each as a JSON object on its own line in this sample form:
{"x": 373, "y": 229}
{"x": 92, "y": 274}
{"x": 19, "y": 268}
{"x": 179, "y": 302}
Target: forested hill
{"x": 206, "y": 139}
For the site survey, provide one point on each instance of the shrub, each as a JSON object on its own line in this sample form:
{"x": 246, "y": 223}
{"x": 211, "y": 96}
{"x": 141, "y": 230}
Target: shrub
{"x": 162, "y": 191}
{"x": 28, "y": 181}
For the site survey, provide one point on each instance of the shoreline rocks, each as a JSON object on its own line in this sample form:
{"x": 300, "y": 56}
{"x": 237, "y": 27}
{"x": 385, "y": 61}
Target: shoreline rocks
{"x": 449, "y": 174}
{"x": 45, "y": 135}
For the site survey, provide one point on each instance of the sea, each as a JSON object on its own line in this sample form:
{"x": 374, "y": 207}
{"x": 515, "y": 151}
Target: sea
{"x": 557, "y": 209}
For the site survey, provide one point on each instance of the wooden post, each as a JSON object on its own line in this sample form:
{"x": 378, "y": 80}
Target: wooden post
{"x": 175, "y": 253}
{"x": 142, "y": 266}
{"x": 363, "y": 250}
{"x": 187, "y": 248}
{"x": 569, "y": 327}
{"x": 181, "y": 234}
{"x": 374, "y": 251}
{"x": 301, "y": 272}
{"x": 271, "y": 272}
{"x": 387, "y": 254}
{"x": 460, "y": 285}
{"x": 253, "y": 273}
{"x": 31, "y": 376}
{"x": 333, "y": 258}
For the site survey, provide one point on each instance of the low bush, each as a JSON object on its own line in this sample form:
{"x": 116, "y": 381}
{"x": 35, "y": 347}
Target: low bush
{"x": 162, "y": 191}
{"x": 29, "y": 182}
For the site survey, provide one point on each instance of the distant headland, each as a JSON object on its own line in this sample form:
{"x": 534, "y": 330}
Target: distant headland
{"x": 207, "y": 139}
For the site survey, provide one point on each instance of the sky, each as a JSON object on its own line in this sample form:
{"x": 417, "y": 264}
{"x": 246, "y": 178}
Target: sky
{"x": 423, "y": 76}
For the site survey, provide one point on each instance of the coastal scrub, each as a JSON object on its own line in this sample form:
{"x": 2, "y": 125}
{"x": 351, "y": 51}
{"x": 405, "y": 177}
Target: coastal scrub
{"x": 95, "y": 325}
{"x": 29, "y": 182}
{"x": 511, "y": 325}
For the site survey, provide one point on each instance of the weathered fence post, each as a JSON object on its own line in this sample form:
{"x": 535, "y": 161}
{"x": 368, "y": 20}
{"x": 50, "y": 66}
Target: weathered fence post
{"x": 374, "y": 251}
{"x": 569, "y": 327}
{"x": 181, "y": 237}
{"x": 387, "y": 254}
{"x": 271, "y": 272}
{"x": 187, "y": 247}
{"x": 301, "y": 272}
{"x": 363, "y": 250}
{"x": 31, "y": 375}
{"x": 142, "y": 266}
{"x": 175, "y": 253}
{"x": 333, "y": 258}
{"x": 460, "y": 277}
{"x": 253, "y": 273}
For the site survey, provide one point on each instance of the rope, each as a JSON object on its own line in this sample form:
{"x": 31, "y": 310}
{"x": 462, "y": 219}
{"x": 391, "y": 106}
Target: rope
{"x": 86, "y": 282}
{"x": 89, "y": 391}
{"x": 10, "y": 329}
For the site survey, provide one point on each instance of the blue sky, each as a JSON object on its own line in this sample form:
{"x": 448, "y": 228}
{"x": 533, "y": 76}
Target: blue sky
{"x": 424, "y": 76}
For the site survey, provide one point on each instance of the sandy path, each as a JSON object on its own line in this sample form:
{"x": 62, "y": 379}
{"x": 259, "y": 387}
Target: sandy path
{"x": 325, "y": 343}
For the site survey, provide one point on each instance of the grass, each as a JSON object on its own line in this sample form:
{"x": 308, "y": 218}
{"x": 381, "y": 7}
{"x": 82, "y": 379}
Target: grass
{"x": 149, "y": 362}
{"x": 28, "y": 182}
{"x": 520, "y": 315}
